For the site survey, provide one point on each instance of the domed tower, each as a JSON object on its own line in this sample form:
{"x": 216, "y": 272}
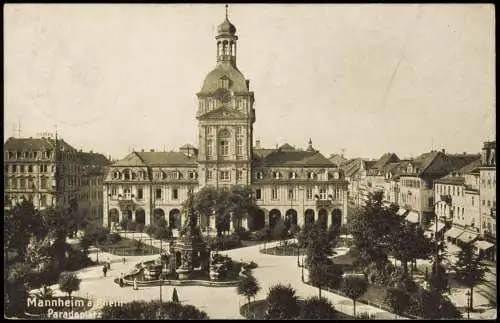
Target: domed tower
{"x": 225, "y": 117}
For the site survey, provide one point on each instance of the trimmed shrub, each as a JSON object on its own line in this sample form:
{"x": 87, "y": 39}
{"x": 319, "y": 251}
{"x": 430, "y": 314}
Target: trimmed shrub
{"x": 242, "y": 233}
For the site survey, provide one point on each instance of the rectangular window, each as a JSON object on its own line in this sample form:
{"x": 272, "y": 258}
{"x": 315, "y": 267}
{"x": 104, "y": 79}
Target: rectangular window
{"x": 127, "y": 193}
{"x": 140, "y": 194}
{"x": 260, "y": 175}
{"x": 483, "y": 203}
{"x": 276, "y": 175}
{"x": 291, "y": 194}
{"x": 258, "y": 194}
{"x": 239, "y": 175}
{"x": 430, "y": 202}
{"x": 43, "y": 200}
{"x": 209, "y": 174}
{"x": 158, "y": 193}
{"x": 224, "y": 175}
{"x": 274, "y": 194}
{"x": 30, "y": 168}
{"x": 14, "y": 168}
{"x": 322, "y": 193}
{"x": 21, "y": 168}
{"x": 210, "y": 151}
{"x": 175, "y": 194}
{"x": 309, "y": 193}
{"x": 190, "y": 191}
{"x": 224, "y": 148}
{"x": 488, "y": 203}
{"x": 22, "y": 183}
{"x": 114, "y": 191}
{"x": 239, "y": 147}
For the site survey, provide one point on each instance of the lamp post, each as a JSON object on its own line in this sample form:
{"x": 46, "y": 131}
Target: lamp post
{"x": 468, "y": 293}
{"x": 302, "y": 269}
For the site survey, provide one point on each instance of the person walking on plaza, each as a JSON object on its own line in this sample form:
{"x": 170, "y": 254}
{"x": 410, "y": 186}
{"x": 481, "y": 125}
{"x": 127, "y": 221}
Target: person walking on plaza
{"x": 104, "y": 270}
{"x": 121, "y": 280}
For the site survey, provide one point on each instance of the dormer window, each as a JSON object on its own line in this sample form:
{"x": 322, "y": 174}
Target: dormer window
{"x": 260, "y": 175}
{"x": 336, "y": 175}
{"x": 292, "y": 175}
{"x": 176, "y": 175}
{"x": 126, "y": 175}
{"x": 116, "y": 175}
{"x": 311, "y": 175}
{"x": 276, "y": 175}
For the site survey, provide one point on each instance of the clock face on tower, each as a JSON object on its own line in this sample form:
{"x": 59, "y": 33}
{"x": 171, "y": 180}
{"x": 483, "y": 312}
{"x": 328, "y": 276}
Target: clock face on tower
{"x": 223, "y": 95}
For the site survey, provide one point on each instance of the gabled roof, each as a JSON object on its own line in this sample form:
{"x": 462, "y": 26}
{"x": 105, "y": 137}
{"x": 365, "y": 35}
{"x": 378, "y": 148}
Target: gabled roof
{"x": 36, "y": 144}
{"x": 188, "y": 146}
{"x": 437, "y": 163}
{"x": 273, "y": 157}
{"x": 384, "y": 160}
{"x": 132, "y": 159}
{"x": 171, "y": 158}
{"x": 286, "y": 146}
{"x": 458, "y": 176}
{"x": 338, "y": 159}
{"x": 88, "y": 158}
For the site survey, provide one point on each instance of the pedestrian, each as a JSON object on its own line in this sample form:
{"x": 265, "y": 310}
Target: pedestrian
{"x": 104, "y": 270}
{"x": 121, "y": 280}
{"x": 123, "y": 259}
{"x": 108, "y": 264}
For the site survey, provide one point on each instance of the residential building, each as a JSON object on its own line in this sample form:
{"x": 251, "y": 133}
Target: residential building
{"x": 417, "y": 182}
{"x": 289, "y": 183}
{"x": 487, "y": 189}
{"x": 90, "y": 196}
{"x": 42, "y": 170}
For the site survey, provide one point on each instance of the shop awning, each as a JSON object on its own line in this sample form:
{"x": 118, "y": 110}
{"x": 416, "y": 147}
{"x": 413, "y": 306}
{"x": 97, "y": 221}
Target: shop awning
{"x": 483, "y": 245}
{"x": 467, "y": 237}
{"x": 453, "y": 233}
{"x": 401, "y": 211}
{"x": 412, "y": 217}
{"x": 432, "y": 227}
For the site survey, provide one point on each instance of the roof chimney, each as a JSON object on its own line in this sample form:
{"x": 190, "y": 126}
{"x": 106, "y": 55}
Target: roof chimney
{"x": 257, "y": 144}
{"x": 152, "y": 150}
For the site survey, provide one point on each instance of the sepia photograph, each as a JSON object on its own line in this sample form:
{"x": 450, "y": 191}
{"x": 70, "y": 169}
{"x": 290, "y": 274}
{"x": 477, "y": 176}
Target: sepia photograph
{"x": 249, "y": 161}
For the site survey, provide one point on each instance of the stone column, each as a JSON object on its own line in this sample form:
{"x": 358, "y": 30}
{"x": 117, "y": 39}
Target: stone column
{"x": 148, "y": 216}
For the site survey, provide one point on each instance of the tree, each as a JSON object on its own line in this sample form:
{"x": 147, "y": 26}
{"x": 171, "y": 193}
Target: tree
{"x": 354, "y": 287}
{"x": 45, "y": 292}
{"x": 20, "y": 224}
{"x": 175, "y": 297}
{"x": 316, "y": 308}
{"x": 398, "y": 300}
{"x": 282, "y": 303}
{"x": 153, "y": 310}
{"x": 279, "y": 231}
{"x": 38, "y": 253}
{"x": 372, "y": 228}
{"x": 318, "y": 243}
{"x": 430, "y": 304}
{"x": 438, "y": 279}
{"x": 241, "y": 202}
{"x": 69, "y": 283}
{"x": 469, "y": 269}
{"x": 248, "y": 287}
{"x": 325, "y": 273}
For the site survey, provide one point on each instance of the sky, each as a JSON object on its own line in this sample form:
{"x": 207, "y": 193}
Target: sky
{"x": 362, "y": 79}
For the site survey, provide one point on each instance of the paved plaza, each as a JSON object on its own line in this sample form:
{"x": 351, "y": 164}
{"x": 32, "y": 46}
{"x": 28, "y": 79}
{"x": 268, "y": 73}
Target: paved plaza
{"x": 224, "y": 302}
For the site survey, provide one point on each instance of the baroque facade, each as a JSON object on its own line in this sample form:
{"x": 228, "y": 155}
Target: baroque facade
{"x": 301, "y": 185}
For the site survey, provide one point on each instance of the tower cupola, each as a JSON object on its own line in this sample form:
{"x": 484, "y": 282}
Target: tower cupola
{"x": 226, "y": 41}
